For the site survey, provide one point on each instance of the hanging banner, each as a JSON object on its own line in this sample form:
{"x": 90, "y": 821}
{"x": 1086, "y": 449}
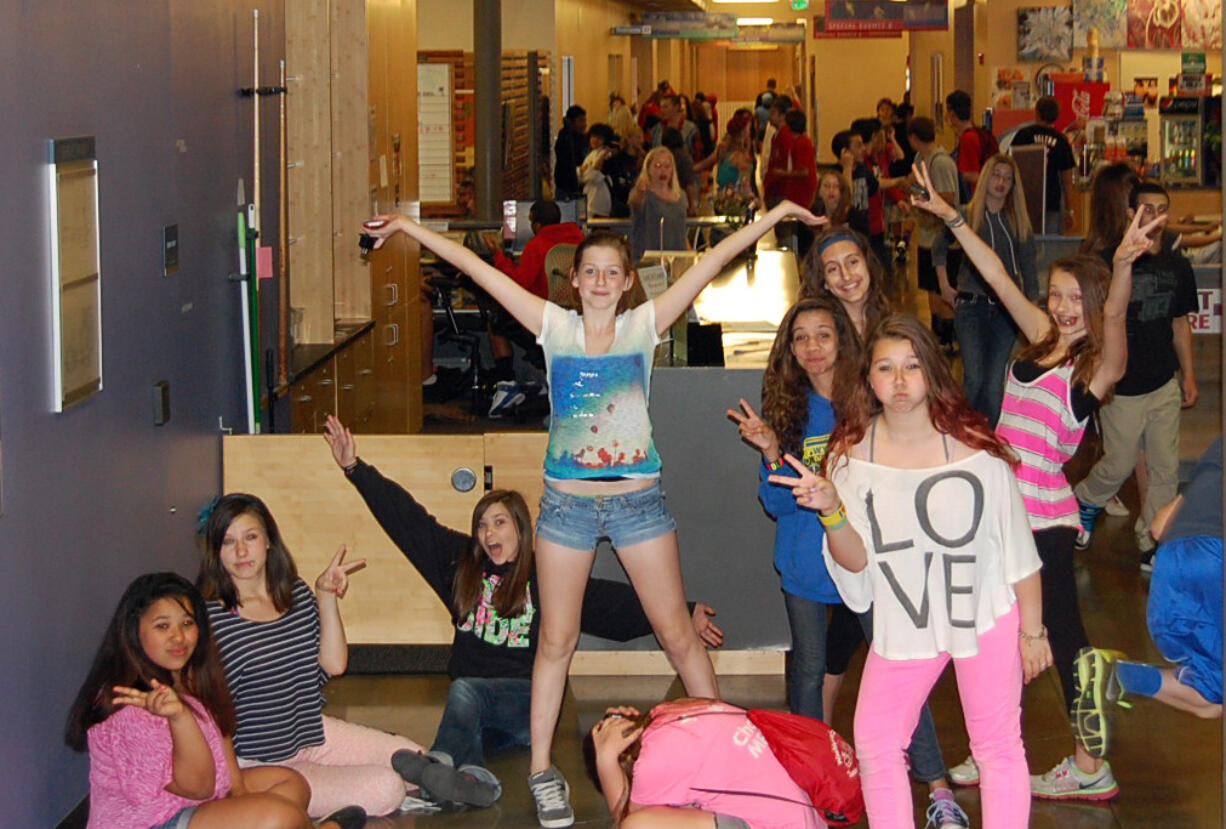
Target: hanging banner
{"x": 873, "y": 18}
{"x": 690, "y": 25}
{"x": 774, "y": 33}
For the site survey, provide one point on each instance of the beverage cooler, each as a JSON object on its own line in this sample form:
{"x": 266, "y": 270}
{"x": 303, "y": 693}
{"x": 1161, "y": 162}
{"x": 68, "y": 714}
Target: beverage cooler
{"x": 1190, "y": 137}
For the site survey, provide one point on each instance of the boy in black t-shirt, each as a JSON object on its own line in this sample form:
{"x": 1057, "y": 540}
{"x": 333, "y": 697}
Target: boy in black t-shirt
{"x": 1060, "y": 163}
{"x": 1148, "y": 398}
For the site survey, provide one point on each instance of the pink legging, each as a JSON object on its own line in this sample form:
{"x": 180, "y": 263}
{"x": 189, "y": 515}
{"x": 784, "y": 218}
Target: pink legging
{"x": 352, "y": 767}
{"x": 990, "y": 685}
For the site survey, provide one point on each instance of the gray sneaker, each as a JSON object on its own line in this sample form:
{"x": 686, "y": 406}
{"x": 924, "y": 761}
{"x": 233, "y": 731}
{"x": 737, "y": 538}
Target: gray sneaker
{"x": 552, "y": 796}
{"x": 470, "y": 785}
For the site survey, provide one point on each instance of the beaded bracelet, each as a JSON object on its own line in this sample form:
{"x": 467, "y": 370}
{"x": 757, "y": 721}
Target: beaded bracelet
{"x": 1026, "y": 637}
{"x": 773, "y": 466}
{"x": 835, "y": 519}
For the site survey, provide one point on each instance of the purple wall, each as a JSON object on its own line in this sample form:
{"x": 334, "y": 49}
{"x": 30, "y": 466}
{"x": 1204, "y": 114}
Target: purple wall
{"x": 97, "y": 495}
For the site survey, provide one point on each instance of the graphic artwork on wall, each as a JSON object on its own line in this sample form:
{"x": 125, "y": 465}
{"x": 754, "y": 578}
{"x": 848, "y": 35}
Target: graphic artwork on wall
{"x": 1045, "y": 34}
{"x": 1110, "y": 17}
{"x": 1202, "y": 24}
{"x": 1154, "y": 24}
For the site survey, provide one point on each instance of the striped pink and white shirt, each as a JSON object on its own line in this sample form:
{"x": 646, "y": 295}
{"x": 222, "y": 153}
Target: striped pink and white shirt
{"x": 1037, "y": 420}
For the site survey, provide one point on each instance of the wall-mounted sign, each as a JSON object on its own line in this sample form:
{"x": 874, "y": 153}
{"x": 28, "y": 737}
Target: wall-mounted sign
{"x": 875, "y": 18}
{"x": 640, "y": 29}
{"x": 690, "y": 25}
{"x": 76, "y": 280}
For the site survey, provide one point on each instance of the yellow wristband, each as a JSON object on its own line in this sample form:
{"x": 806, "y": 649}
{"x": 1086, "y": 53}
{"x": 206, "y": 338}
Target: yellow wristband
{"x": 835, "y": 519}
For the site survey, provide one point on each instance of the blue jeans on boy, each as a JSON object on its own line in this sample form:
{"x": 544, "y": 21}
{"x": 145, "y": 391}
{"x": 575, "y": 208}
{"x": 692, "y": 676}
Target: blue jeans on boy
{"x": 986, "y": 335}
{"x": 483, "y": 713}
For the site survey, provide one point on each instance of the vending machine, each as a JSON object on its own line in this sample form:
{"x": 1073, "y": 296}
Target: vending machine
{"x": 1190, "y": 138}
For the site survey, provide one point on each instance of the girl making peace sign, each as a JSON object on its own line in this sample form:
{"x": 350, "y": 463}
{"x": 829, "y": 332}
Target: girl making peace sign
{"x": 279, "y": 644}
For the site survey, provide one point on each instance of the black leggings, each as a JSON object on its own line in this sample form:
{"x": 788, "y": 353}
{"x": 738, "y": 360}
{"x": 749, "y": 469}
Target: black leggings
{"x": 1061, "y": 609}
{"x": 843, "y": 638}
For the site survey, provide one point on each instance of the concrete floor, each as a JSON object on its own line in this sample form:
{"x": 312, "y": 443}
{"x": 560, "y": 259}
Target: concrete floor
{"x": 1168, "y": 764}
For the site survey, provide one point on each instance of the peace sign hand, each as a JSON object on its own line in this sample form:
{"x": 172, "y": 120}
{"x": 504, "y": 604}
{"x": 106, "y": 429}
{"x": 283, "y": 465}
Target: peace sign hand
{"x": 335, "y": 579}
{"x": 162, "y": 701}
{"x": 930, "y": 201}
{"x": 755, "y": 431}
{"x": 811, "y": 490}
{"x": 1136, "y": 239}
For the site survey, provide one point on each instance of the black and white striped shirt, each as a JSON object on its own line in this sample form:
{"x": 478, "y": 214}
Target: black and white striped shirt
{"x": 275, "y": 678}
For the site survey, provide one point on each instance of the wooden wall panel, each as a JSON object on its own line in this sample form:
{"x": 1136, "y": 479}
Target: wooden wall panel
{"x": 515, "y": 458}
{"x": 351, "y": 129}
{"x": 317, "y": 510}
{"x": 308, "y": 144}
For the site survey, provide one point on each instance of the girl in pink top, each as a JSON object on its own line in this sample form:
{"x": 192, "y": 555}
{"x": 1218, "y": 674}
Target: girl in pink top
{"x": 155, "y": 716}
{"x": 689, "y": 762}
{"x": 1078, "y": 350}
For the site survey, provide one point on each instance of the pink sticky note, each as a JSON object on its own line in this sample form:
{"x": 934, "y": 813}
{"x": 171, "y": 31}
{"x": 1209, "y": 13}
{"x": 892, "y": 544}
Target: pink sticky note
{"x": 263, "y": 263}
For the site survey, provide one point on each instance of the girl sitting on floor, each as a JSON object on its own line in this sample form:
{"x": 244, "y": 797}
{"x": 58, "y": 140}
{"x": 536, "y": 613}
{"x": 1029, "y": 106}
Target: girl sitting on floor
{"x": 279, "y": 644}
{"x": 156, "y": 718}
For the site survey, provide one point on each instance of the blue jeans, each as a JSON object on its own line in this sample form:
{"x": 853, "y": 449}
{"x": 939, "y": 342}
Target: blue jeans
{"x": 807, "y": 670}
{"x": 483, "y": 713}
{"x": 986, "y": 335}
{"x": 927, "y": 764}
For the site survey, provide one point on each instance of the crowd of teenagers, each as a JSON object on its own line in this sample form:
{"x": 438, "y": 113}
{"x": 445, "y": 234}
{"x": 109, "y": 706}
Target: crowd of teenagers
{"x": 905, "y": 517}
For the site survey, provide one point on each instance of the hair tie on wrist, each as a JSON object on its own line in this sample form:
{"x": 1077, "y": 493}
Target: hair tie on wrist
{"x": 956, "y": 221}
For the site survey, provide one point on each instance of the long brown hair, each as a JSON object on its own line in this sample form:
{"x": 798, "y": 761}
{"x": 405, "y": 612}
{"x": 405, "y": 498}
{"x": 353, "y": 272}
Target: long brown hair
{"x": 511, "y": 596}
{"x": 948, "y": 408}
{"x": 632, "y": 297}
{"x": 1014, "y": 209}
{"x": 785, "y": 385}
{"x": 1094, "y": 280}
{"x": 813, "y": 275}
{"x": 121, "y": 659}
{"x": 280, "y": 572}
{"x": 839, "y": 217}
{"x": 1110, "y": 194}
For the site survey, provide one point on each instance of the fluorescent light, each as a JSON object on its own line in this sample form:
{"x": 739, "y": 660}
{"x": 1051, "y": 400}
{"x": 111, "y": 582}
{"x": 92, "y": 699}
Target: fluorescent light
{"x": 754, "y": 21}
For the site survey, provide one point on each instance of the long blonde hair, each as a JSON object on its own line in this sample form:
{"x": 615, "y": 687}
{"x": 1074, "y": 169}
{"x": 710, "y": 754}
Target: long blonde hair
{"x": 1015, "y": 203}
{"x": 644, "y": 174}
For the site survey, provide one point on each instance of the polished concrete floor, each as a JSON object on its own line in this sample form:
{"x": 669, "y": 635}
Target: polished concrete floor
{"x": 1168, "y": 764}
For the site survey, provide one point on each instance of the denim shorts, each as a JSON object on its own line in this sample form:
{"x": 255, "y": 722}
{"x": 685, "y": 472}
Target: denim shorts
{"x": 178, "y": 821}
{"x": 582, "y": 521}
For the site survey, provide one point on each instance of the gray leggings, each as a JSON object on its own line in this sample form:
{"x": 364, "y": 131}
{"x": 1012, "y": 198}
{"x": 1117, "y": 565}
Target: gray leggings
{"x": 725, "y": 822}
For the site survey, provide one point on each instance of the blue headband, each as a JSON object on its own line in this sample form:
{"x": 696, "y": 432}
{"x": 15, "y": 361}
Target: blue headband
{"x": 838, "y": 237}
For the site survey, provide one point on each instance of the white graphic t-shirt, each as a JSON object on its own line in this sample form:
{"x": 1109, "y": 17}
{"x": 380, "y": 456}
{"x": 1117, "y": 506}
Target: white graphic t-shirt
{"x": 945, "y": 545}
{"x": 599, "y": 426}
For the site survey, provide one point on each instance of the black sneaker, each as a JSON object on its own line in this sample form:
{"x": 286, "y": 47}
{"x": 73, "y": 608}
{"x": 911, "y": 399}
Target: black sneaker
{"x": 350, "y": 817}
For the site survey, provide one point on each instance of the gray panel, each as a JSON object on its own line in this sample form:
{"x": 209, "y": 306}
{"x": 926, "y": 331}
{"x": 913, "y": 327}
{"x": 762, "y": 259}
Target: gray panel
{"x": 89, "y": 493}
{"x": 711, "y": 483}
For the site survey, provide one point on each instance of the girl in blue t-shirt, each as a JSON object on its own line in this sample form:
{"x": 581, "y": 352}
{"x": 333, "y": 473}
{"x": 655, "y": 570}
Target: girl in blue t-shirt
{"x": 815, "y": 339}
{"x": 601, "y": 467}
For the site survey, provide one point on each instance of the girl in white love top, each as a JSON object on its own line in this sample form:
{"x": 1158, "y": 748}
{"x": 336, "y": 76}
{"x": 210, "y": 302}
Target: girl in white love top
{"x": 924, "y": 521}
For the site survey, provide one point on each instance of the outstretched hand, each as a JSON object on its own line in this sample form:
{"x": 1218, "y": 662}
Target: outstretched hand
{"x": 811, "y": 490}
{"x": 755, "y": 431}
{"x": 162, "y": 701}
{"x": 1137, "y": 239}
{"x": 335, "y": 579}
{"x": 707, "y": 630}
{"x": 933, "y": 203}
{"x": 340, "y": 439}
{"x": 383, "y": 226}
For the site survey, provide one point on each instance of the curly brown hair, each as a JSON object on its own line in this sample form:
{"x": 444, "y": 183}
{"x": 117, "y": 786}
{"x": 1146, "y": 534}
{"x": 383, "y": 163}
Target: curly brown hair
{"x": 813, "y": 276}
{"x": 786, "y": 386}
{"x": 948, "y": 408}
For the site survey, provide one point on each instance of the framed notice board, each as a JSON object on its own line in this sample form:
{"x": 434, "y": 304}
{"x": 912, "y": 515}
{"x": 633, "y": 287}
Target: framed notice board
{"x": 76, "y": 283}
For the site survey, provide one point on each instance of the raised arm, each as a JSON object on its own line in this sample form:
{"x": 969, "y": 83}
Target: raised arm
{"x": 672, "y": 303}
{"x": 192, "y": 772}
{"x": 1115, "y": 309}
{"x": 1030, "y": 318}
{"x": 522, "y": 304}
{"x": 330, "y": 588}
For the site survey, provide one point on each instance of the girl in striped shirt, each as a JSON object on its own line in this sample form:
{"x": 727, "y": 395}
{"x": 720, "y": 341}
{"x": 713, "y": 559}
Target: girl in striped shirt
{"x": 279, "y": 644}
{"x": 1077, "y": 352}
